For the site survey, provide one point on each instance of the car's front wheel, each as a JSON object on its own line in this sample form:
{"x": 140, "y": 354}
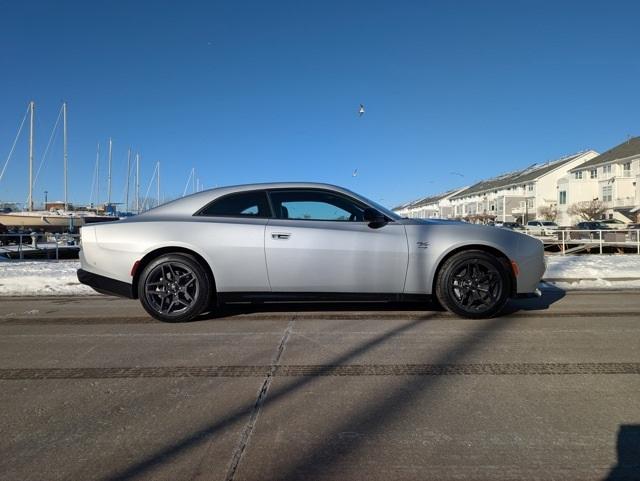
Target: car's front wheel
{"x": 174, "y": 288}
{"x": 473, "y": 284}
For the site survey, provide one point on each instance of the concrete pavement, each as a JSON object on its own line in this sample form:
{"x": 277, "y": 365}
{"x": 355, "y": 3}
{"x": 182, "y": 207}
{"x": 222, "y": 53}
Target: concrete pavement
{"x": 91, "y": 388}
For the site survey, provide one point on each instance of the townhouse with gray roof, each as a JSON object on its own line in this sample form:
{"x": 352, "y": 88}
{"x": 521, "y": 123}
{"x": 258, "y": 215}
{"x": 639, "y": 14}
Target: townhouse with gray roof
{"x": 612, "y": 177}
{"x": 516, "y": 196}
{"x": 430, "y": 207}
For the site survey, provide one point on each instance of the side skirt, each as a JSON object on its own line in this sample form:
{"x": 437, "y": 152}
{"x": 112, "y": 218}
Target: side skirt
{"x": 268, "y": 297}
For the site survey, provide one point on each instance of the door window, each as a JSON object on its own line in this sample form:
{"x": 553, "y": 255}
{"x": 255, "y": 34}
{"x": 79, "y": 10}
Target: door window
{"x": 315, "y": 205}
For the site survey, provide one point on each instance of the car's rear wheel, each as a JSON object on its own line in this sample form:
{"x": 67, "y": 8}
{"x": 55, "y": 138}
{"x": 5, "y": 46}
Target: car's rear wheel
{"x": 473, "y": 284}
{"x": 174, "y": 288}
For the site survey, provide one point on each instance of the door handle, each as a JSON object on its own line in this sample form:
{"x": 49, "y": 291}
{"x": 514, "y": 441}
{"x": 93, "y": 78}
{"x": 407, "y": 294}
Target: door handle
{"x": 280, "y": 235}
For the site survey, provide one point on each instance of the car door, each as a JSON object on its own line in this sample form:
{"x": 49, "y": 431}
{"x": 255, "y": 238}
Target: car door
{"x": 231, "y": 232}
{"x": 320, "y": 242}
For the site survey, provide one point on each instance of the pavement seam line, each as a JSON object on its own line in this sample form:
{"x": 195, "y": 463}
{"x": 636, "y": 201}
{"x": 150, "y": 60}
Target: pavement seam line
{"x": 238, "y": 453}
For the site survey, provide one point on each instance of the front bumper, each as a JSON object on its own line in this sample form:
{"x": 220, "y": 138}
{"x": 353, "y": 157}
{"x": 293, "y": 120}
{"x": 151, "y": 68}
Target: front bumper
{"x": 105, "y": 285}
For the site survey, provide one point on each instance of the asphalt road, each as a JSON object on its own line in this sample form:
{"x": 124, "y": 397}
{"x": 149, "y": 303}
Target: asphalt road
{"x": 91, "y": 388}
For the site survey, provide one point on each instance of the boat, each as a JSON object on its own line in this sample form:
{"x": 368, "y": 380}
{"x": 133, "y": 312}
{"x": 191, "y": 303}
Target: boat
{"x": 51, "y": 221}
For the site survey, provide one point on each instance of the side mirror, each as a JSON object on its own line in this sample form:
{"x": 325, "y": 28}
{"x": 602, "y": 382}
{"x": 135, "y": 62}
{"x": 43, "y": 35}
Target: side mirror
{"x": 374, "y": 218}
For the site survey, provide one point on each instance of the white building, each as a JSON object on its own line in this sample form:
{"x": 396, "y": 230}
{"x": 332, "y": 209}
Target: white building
{"x": 516, "y": 196}
{"x": 436, "y": 206}
{"x": 612, "y": 177}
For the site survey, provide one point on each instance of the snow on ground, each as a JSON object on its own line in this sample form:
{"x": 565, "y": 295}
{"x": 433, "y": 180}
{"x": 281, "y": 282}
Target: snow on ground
{"x": 593, "y": 271}
{"x": 41, "y": 278}
{"x": 50, "y": 278}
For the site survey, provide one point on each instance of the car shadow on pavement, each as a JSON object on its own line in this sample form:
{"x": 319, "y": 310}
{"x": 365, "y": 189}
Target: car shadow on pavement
{"x": 405, "y": 310}
{"x": 628, "y": 452}
{"x": 550, "y": 295}
{"x": 326, "y": 308}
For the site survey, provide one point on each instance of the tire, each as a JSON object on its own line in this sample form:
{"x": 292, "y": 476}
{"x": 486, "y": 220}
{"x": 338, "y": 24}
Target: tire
{"x": 174, "y": 288}
{"x": 473, "y": 284}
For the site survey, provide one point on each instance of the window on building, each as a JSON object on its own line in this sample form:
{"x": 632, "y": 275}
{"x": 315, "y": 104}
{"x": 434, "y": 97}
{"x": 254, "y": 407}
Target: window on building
{"x": 530, "y": 203}
{"x": 606, "y": 169}
{"x": 594, "y": 173}
{"x": 626, "y": 169}
{"x": 530, "y": 187}
{"x": 607, "y": 193}
{"x": 562, "y": 198}
{"x": 577, "y": 175}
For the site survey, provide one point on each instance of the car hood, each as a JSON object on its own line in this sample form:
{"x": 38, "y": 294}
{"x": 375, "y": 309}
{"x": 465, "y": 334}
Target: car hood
{"x": 471, "y": 230}
{"x": 407, "y": 221}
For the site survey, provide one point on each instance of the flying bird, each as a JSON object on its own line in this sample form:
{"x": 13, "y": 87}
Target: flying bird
{"x": 361, "y": 110}
{"x": 355, "y": 173}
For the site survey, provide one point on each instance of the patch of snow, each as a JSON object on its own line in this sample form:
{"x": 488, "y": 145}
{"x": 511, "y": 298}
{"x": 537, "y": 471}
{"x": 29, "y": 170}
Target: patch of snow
{"x": 41, "y": 278}
{"x": 593, "y": 271}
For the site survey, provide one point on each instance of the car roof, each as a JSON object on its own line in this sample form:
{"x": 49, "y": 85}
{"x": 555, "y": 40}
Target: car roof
{"x": 191, "y": 203}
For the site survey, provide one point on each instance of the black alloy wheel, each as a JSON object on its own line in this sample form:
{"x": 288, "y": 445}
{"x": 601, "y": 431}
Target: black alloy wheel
{"x": 473, "y": 284}
{"x": 174, "y": 288}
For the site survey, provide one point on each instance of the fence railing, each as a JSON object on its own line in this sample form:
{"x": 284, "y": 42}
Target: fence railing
{"x": 629, "y": 238}
{"x": 19, "y": 246}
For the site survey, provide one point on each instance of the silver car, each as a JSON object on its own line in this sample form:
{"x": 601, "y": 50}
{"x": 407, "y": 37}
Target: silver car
{"x": 302, "y": 242}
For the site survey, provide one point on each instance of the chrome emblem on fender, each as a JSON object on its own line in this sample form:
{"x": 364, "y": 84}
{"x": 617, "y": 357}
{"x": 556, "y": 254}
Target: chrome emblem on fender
{"x": 422, "y": 245}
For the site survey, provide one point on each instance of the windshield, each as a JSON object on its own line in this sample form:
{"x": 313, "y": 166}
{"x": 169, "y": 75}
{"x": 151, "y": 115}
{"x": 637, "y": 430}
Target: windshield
{"x": 389, "y": 213}
{"x": 549, "y": 224}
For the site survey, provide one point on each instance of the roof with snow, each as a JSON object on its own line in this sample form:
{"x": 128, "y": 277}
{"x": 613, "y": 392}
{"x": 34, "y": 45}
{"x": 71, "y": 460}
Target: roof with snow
{"x": 432, "y": 199}
{"x": 528, "y": 174}
{"x": 626, "y": 149}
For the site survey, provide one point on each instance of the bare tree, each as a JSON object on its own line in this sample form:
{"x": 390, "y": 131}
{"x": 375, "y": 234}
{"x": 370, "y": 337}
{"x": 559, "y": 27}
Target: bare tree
{"x": 548, "y": 212}
{"x": 588, "y": 210}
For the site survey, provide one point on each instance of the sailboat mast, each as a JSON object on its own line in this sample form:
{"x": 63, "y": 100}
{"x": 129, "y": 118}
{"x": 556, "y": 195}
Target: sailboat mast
{"x": 137, "y": 183}
{"x": 109, "y": 177}
{"x": 64, "y": 137}
{"x": 158, "y": 184}
{"x": 126, "y": 201}
{"x": 98, "y": 175}
{"x": 30, "y": 202}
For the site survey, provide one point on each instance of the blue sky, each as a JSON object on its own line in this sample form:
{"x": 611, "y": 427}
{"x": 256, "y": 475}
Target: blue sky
{"x": 269, "y": 91}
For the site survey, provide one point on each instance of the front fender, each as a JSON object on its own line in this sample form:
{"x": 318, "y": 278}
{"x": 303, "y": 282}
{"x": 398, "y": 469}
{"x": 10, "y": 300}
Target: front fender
{"x": 429, "y": 245}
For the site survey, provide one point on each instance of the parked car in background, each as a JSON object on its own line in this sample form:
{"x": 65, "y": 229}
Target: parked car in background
{"x": 592, "y": 225}
{"x": 635, "y": 231}
{"x": 511, "y": 225}
{"x": 302, "y": 242}
{"x": 541, "y": 227}
{"x": 615, "y": 223}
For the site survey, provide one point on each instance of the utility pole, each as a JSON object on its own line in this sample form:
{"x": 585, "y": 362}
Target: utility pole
{"x": 109, "y": 177}
{"x": 137, "y": 183}
{"x": 126, "y": 202}
{"x": 66, "y": 157}
{"x": 32, "y": 106}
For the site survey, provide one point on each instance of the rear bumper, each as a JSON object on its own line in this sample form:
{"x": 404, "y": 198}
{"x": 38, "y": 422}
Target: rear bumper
{"x": 105, "y": 285}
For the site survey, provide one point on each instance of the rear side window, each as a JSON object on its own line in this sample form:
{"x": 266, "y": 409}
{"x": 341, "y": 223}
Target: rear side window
{"x": 242, "y": 204}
